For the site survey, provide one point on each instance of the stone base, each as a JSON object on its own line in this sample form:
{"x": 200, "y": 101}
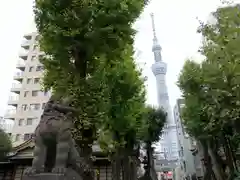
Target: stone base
{"x": 70, "y": 175}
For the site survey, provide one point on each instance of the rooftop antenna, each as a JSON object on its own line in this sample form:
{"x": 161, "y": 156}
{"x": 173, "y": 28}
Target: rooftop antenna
{"x": 153, "y": 26}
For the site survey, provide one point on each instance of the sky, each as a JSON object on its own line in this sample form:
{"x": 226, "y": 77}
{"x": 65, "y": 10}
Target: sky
{"x": 176, "y": 23}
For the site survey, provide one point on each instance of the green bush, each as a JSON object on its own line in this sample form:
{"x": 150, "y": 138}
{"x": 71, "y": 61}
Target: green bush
{"x": 5, "y": 144}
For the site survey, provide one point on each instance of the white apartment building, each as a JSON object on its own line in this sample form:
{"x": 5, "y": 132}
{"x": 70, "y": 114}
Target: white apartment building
{"x": 27, "y": 100}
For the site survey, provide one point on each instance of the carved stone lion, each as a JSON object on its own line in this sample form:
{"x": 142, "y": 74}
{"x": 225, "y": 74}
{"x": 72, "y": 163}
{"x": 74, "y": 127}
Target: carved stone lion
{"x": 54, "y": 145}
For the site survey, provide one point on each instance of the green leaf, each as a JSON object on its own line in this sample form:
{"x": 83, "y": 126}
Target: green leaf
{"x": 5, "y": 144}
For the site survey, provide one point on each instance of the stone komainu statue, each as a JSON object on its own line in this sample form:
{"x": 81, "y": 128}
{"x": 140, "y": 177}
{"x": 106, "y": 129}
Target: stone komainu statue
{"x": 54, "y": 146}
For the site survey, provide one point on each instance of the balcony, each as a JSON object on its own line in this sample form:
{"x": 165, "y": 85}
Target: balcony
{"x": 16, "y": 87}
{"x": 28, "y": 36}
{"x": 18, "y": 75}
{"x": 21, "y": 65}
{"x": 23, "y": 54}
{"x": 10, "y": 114}
{"x": 26, "y": 44}
{"x": 13, "y": 100}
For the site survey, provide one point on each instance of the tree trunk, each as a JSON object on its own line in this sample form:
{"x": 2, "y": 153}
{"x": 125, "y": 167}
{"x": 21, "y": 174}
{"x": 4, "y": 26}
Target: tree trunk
{"x": 213, "y": 175}
{"x": 86, "y": 153}
{"x": 207, "y": 162}
{"x": 116, "y": 166}
{"x": 133, "y": 168}
{"x": 233, "y": 155}
{"x": 80, "y": 62}
{"x": 127, "y": 163}
{"x": 149, "y": 158}
{"x": 216, "y": 166}
{"x": 130, "y": 163}
{"x": 126, "y": 167}
{"x": 137, "y": 162}
{"x": 228, "y": 155}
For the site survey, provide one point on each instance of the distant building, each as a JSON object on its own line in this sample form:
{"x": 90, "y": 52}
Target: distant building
{"x": 27, "y": 100}
{"x": 189, "y": 164}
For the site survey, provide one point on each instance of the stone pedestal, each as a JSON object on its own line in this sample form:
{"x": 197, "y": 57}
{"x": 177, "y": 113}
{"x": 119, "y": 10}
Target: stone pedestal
{"x": 70, "y": 175}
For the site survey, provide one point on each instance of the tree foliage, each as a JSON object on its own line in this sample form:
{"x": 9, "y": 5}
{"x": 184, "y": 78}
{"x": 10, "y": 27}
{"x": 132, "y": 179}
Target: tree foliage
{"x": 76, "y": 32}
{"x": 211, "y": 88}
{"x": 154, "y": 121}
{"x": 89, "y": 58}
{"x": 82, "y": 40}
{"x": 5, "y": 144}
{"x": 126, "y": 100}
{"x": 88, "y": 48}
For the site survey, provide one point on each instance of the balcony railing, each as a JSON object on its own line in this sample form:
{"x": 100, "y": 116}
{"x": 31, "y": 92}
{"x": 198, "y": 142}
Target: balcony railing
{"x": 18, "y": 74}
{"x": 25, "y": 42}
{"x": 21, "y": 63}
{"x": 13, "y": 98}
{"x": 28, "y": 36}
{"x": 10, "y": 112}
{"x": 23, "y": 53}
{"x": 15, "y": 85}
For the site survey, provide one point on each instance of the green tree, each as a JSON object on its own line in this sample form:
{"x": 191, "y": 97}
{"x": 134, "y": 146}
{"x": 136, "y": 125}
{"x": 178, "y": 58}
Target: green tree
{"x": 126, "y": 106}
{"x": 211, "y": 89}
{"x": 152, "y": 128}
{"x": 194, "y": 114}
{"x": 76, "y": 32}
{"x": 89, "y": 58}
{"x": 222, "y": 52}
{"x": 5, "y": 144}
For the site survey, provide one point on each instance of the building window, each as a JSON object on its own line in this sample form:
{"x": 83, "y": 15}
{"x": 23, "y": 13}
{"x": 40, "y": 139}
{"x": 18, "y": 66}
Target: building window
{"x": 33, "y": 58}
{"x": 39, "y": 68}
{"x": 174, "y": 144}
{"x": 43, "y": 105}
{"x": 36, "y": 80}
{"x": 27, "y": 137}
{"x": 29, "y": 121}
{"x": 20, "y": 122}
{"x": 17, "y": 138}
{"x": 24, "y": 107}
{"x": 26, "y": 93}
{"x": 35, "y": 47}
{"x": 34, "y": 107}
{"x": 35, "y": 93}
{"x": 31, "y": 69}
{"x": 179, "y": 153}
{"x": 29, "y": 80}
{"x": 182, "y": 152}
